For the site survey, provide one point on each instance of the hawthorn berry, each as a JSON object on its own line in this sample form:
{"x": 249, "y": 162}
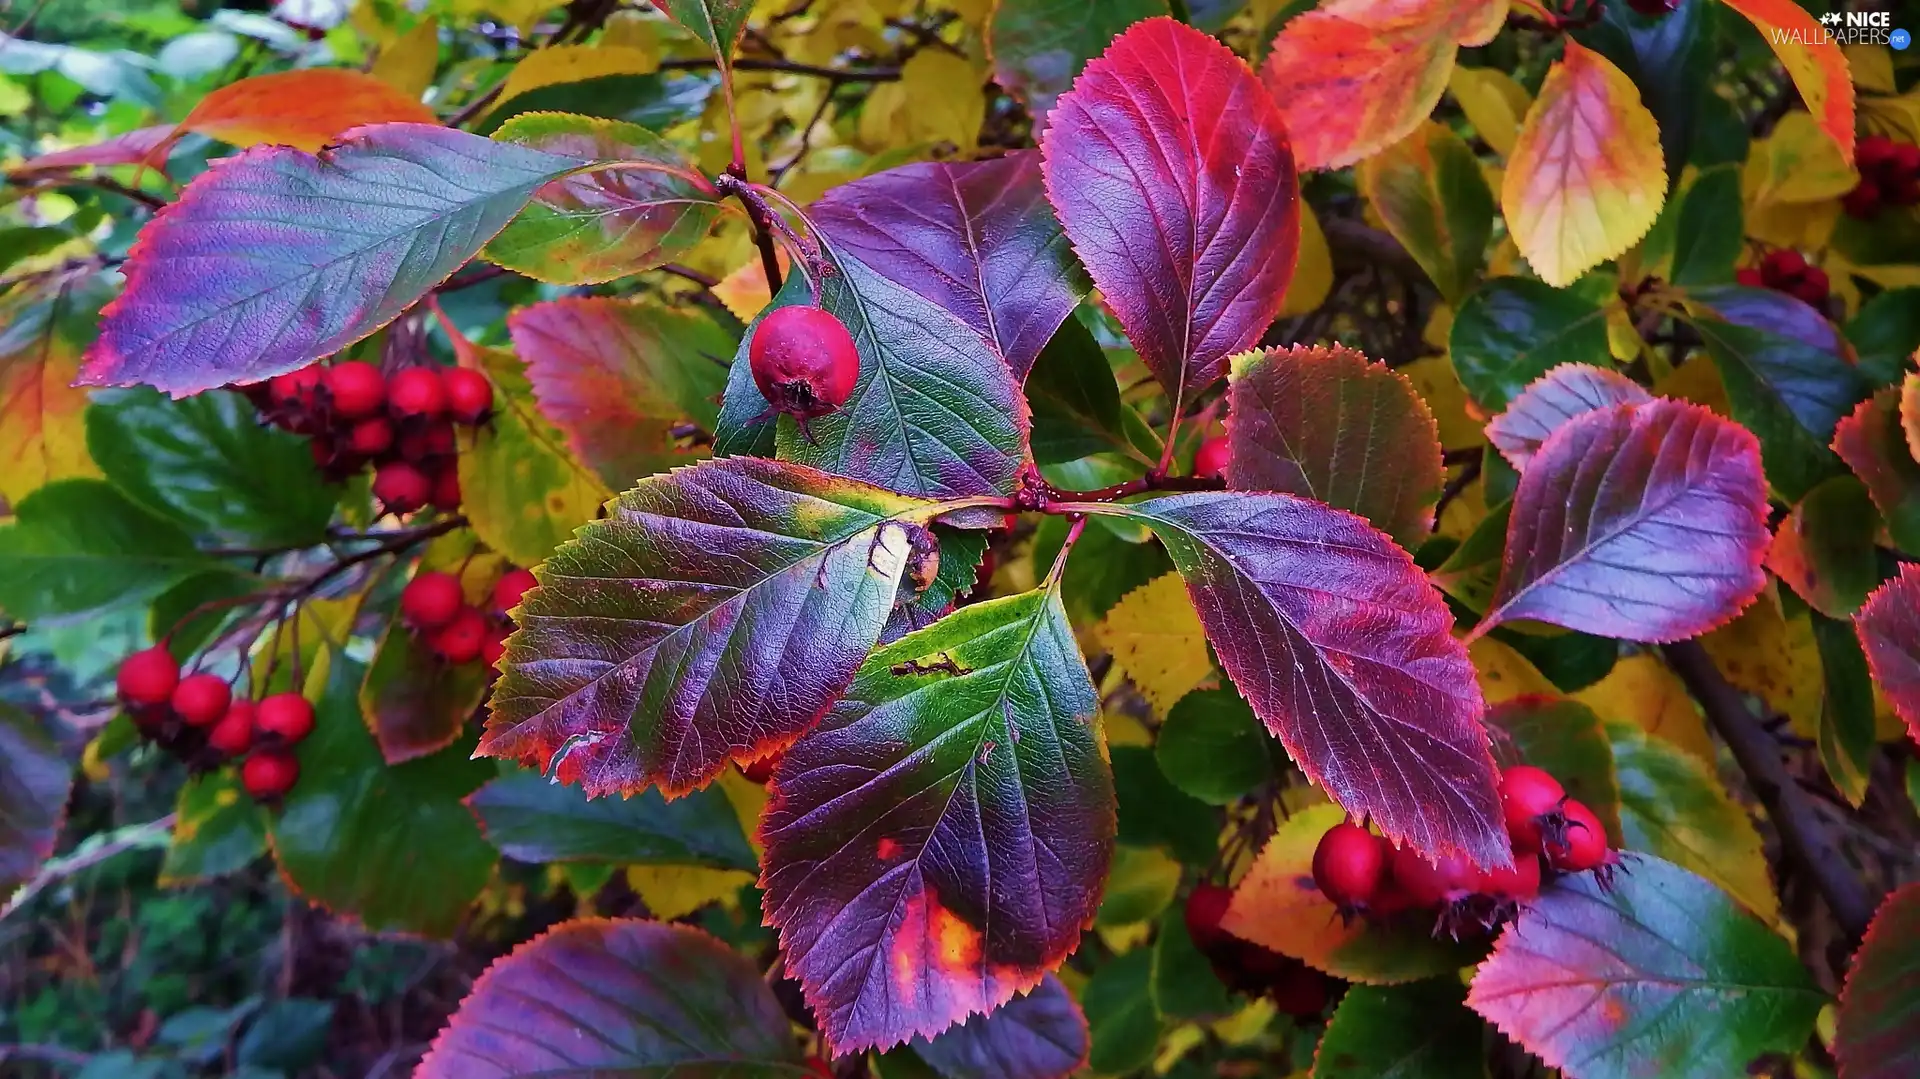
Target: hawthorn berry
{"x": 201, "y": 699}
{"x": 1521, "y": 882}
{"x": 1347, "y": 866}
{"x": 427, "y": 443}
{"x": 460, "y": 640}
{"x": 370, "y": 437}
{"x": 233, "y": 735}
{"x": 401, "y": 487}
{"x": 494, "y": 646}
{"x": 286, "y": 716}
{"x": 508, "y": 590}
{"x": 1210, "y": 459}
{"x": 431, "y": 599}
{"x": 295, "y": 389}
{"x": 1206, "y": 906}
{"x": 268, "y": 775}
{"x": 1863, "y": 202}
{"x": 1783, "y": 264}
{"x": 1750, "y": 276}
{"x": 1430, "y": 884}
{"x": 469, "y": 394}
{"x": 804, "y": 361}
{"x": 1812, "y": 286}
{"x": 1529, "y": 797}
{"x": 417, "y": 391}
{"x": 148, "y": 677}
{"x": 1586, "y": 844}
{"x": 355, "y": 389}
{"x": 446, "y": 488}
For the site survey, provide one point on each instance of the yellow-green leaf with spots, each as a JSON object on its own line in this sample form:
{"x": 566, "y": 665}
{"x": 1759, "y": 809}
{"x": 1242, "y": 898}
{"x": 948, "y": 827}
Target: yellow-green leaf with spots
{"x": 1156, "y": 639}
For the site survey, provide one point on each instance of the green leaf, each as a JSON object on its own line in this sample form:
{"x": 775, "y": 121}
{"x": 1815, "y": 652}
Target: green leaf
{"x": 1472, "y": 571}
{"x": 1512, "y": 330}
{"x": 287, "y": 1034}
{"x": 1101, "y": 569}
{"x": 1657, "y": 974}
{"x": 1119, "y": 1004}
{"x": 1213, "y": 748}
{"x": 414, "y": 703}
{"x": 1184, "y": 985}
{"x": 1710, "y": 230}
{"x": 1429, "y": 190}
{"x": 717, "y": 23}
{"x": 533, "y": 819}
{"x": 80, "y": 547}
{"x": 655, "y": 102}
{"x": 606, "y": 223}
{"x": 1568, "y": 739}
{"x": 1672, "y": 806}
{"x": 34, "y": 779}
{"x": 391, "y": 845}
{"x": 1420, "y": 1031}
{"x": 1154, "y": 813}
{"x": 1847, "y": 746}
{"x": 1139, "y": 885}
{"x": 1884, "y": 332}
{"x": 1039, "y": 46}
{"x": 218, "y": 829}
{"x": 1669, "y": 56}
{"x": 185, "y": 635}
{"x": 1076, "y": 403}
{"x": 520, "y": 486}
{"x": 1824, "y": 549}
{"x": 1873, "y": 442}
{"x": 208, "y": 463}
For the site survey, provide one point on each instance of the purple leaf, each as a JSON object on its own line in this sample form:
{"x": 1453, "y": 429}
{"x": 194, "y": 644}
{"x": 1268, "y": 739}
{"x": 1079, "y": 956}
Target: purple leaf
{"x": 274, "y": 258}
{"x": 595, "y": 226}
{"x": 620, "y": 997}
{"x": 977, "y": 238}
{"x": 1569, "y": 390}
{"x": 141, "y": 145}
{"x": 1329, "y": 424}
{"x": 34, "y": 779}
{"x": 1347, "y": 655}
{"x": 1170, "y": 169}
{"x": 1641, "y": 522}
{"x": 938, "y": 842}
{"x": 1889, "y": 628}
{"x": 1878, "y": 1036}
{"x": 713, "y": 615}
{"x": 1038, "y": 1036}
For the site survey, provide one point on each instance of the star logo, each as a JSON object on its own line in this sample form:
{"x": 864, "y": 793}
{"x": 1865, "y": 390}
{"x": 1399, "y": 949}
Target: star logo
{"x": 1831, "y": 18}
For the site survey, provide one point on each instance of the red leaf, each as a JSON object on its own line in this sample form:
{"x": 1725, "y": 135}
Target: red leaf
{"x": 1569, "y": 390}
{"x": 304, "y": 109}
{"x": 617, "y": 997}
{"x": 1641, "y": 522}
{"x": 1346, "y": 653}
{"x": 1879, "y": 1031}
{"x": 1889, "y": 628}
{"x": 1872, "y": 443}
{"x": 142, "y": 144}
{"x": 977, "y": 238}
{"x": 1330, "y": 424}
{"x": 1170, "y": 169}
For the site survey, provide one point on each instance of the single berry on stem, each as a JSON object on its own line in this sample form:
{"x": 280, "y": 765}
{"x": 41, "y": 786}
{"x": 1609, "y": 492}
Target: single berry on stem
{"x": 469, "y": 394}
{"x": 1210, "y": 460}
{"x": 1586, "y": 845}
{"x": 460, "y": 640}
{"x": 286, "y": 716}
{"x": 1347, "y": 866}
{"x": 431, "y": 599}
{"x": 1520, "y": 883}
{"x": 509, "y": 589}
{"x": 355, "y": 389}
{"x": 295, "y": 389}
{"x": 233, "y": 735}
{"x": 401, "y": 487}
{"x": 201, "y": 699}
{"x": 804, "y": 362}
{"x": 1530, "y": 800}
{"x": 269, "y": 774}
{"x": 148, "y": 677}
{"x": 417, "y": 391}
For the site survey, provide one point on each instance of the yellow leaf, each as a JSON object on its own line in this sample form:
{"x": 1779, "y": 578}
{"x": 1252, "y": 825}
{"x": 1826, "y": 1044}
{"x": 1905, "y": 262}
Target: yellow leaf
{"x": 1155, "y": 637}
{"x": 1696, "y": 380}
{"x": 1776, "y": 660}
{"x": 1587, "y": 176}
{"x": 1313, "y": 273}
{"x": 748, "y": 799}
{"x": 675, "y": 891}
{"x": 1872, "y": 67}
{"x": 643, "y": 30}
{"x": 1643, "y": 691}
{"x": 1505, "y": 673}
{"x": 1898, "y": 117}
{"x": 558, "y": 64}
{"x": 937, "y": 99}
{"x": 1813, "y": 60}
{"x": 1494, "y": 103}
{"x": 408, "y": 65}
{"x": 745, "y": 291}
{"x": 1440, "y": 387}
{"x": 1795, "y": 164}
{"x": 42, "y": 437}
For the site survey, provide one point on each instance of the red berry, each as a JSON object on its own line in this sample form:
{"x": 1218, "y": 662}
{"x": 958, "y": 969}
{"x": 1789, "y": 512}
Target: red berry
{"x": 1750, "y": 277}
{"x": 1654, "y": 8}
{"x": 286, "y": 716}
{"x": 294, "y": 390}
{"x": 761, "y": 770}
{"x": 201, "y": 699}
{"x": 1783, "y": 265}
{"x": 1863, "y": 202}
{"x": 1211, "y": 458}
{"x": 1904, "y": 159}
{"x": 446, "y": 488}
{"x": 417, "y": 391}
{"x": 1429, "y": 885}
{"x": 1586, "y": 846}
{"x": 508, "y": 590}
{"x": 431, "y": 599}
{"x": 233, "y": 735}
{"x": 494, "y": 646}
{"x": 1206, "y": 906}
{"x": 460, "y": 640}
{"x": 1520, "y": 882}
{"x": 1526, "y": 795}
{"x": 356, "y": 389}
{"x": 268, "y": 775}
{"x": 469, "y": 394}
{"x": 1347, "y": 866}
{"x": 370, "y": 437}
{"x": 428, "y": 442}
{"x": 1873, "y": 151}
{"x": 401, "y": 487}
{"x": 1813, "y": 286}
{"x": 148, "y": 677}
{"x": 803, "y": 360}
{"x": 1904, "y": 191}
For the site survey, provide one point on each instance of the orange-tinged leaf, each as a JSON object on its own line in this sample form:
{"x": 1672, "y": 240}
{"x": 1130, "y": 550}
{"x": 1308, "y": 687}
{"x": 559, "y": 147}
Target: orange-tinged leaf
{"x": 1641, "y": 690}
{"x": 41, "y": 435}
{"x": 1586, "y": 178}
{"x": 1358, "y": 75}
{"x": 303, "y": 109}
{"x": 1814, "y": 61}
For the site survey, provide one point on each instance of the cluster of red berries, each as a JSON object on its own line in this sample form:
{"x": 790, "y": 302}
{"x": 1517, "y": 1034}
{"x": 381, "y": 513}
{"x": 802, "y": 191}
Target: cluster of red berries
{"x": 197, "y": 718}
{"x": 804, "y": 362}
{"x": 1246, "y": 967}
{"x": 1786, "y": 270}
{"x": 1365, "y": 875}
{"x": 400, "y": 425}
{"x": 1889, "y": 176}
{"x": 435, "y": 607}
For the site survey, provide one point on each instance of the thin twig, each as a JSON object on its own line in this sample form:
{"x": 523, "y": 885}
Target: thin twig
{"x": 125, "y": 839}
{"x": 789, "y": 67}
{"x": 1802, "y": 834}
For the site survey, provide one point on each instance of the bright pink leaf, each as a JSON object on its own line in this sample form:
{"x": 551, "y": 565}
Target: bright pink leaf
{"x": 1170, "y": 169}
{"x": 1569, "y": 390}
{"x": 1889, "y": 628}
{"x": 143, "y": 144}
{"x": 1878, "y": 1036}
{"x": 1641, "y": 522}
{"x": 977, "y": 238}
{"x": 1347, "y": 654}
